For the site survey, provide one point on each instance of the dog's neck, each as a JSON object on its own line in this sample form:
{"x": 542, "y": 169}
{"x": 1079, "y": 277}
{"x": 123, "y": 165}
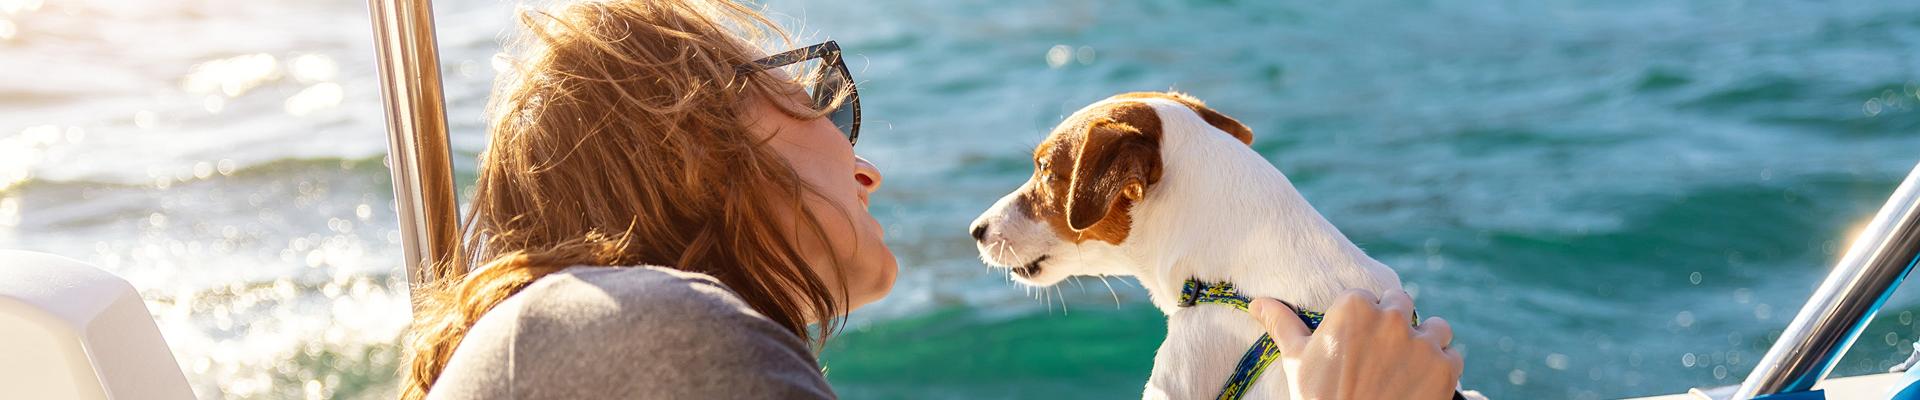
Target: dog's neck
{"x": 1223, "y": 213}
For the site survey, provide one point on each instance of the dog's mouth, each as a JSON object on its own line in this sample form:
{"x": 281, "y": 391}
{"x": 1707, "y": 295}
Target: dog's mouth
{"x": 1031, "y": 269}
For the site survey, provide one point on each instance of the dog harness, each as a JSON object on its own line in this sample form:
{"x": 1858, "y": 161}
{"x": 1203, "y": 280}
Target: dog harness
{"x": 1264, "y": 351}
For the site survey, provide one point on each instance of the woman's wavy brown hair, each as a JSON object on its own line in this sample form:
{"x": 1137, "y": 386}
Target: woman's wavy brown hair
{"x": 618, "y": 138}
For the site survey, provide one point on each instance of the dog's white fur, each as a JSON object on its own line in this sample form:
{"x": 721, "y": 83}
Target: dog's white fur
{"x": 1221, "y": 213}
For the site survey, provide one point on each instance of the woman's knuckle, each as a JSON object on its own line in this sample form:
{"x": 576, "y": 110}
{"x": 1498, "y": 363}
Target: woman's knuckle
{"x": 1397, "y": 314}
{"x": 1352, "y": 302}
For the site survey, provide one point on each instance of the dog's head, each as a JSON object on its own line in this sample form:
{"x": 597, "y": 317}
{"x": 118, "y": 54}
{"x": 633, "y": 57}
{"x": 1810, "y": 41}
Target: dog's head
{"x": 1075, "y": 214}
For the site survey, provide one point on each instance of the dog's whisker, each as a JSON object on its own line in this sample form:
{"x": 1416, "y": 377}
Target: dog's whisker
{"x": 1046, "y": 296}
{"x": 1116, "y": 295}
{"x": 1042, "y": 297}
{"x": 1050, "y": 297}
{"x": 1063, "y": 300}
{"x": 1061, "y": 295}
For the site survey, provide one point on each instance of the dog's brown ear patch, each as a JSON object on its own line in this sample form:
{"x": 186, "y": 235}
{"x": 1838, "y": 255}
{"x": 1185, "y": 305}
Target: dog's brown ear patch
{"x": 1215, "y": 118}
{"x": 1117, "y": 160}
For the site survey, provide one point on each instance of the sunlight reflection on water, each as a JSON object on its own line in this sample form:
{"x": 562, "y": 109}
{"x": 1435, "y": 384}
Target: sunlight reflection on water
{"x": 232, "y": 76}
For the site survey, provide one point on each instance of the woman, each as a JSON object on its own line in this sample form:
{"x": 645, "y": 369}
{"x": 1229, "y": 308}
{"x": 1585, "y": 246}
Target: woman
{"x": 662, "y": 212}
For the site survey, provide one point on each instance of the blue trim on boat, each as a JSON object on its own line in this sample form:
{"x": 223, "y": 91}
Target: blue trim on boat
{"x": 1805, "y": 383}
{"x": 1801, "y": 395}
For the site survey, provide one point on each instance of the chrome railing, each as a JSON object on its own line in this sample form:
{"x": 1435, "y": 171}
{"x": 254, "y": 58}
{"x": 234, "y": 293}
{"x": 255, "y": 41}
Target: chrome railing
{"x": 1879, "y": 258}
{"x": 417, "y": 149}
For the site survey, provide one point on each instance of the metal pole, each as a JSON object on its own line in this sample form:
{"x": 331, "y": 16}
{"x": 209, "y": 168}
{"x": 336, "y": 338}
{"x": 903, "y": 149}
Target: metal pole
{"x": 417, "y": 150}
{"x": 1875, "y": 263}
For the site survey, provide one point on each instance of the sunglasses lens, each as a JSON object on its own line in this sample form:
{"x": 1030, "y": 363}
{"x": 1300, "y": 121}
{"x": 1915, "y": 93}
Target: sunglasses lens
{"x": 832, "y": 82}
{"x": 843, "y": 118}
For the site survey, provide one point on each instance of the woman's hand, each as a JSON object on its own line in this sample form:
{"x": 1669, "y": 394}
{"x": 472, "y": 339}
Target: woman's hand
{"x": 1365, "y": 349}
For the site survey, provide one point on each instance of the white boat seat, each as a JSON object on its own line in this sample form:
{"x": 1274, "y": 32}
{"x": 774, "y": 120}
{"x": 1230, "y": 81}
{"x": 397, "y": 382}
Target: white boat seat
{"x": 69, "y": 330}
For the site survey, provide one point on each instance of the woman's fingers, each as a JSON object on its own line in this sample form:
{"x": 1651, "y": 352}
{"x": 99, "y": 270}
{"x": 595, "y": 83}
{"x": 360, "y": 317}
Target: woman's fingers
{"x": 1398, "y": 306}
{"x": 1456, "y": 361}
{"x": 1281, "y": 323}
{"x": 1353, "y": 301}
{"x": 1368, "y": 349}
{"x": 1354, "y": 306}
{"x": 1436, "y": 330}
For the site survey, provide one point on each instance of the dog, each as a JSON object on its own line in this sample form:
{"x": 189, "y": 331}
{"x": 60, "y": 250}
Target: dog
{"x": 1158, "y": 186}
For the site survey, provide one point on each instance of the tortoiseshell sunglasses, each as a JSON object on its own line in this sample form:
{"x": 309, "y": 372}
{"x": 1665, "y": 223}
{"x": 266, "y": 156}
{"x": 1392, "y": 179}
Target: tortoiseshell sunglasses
{"x": 833, "y": 78}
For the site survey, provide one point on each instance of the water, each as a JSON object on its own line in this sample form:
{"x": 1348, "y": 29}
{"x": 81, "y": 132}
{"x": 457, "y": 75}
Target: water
{"x": 1605, "y": 198}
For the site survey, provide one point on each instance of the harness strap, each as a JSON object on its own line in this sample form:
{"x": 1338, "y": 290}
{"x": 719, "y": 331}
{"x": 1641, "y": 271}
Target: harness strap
{"x": 1195, "y": 292}
{"x": 1264, "y": 351}
{"x": 1248, "y": 370}
{"x": 1261, "y": 354}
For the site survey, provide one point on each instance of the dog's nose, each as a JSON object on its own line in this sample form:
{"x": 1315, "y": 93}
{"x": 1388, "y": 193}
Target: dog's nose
{"x": 980, "y": 232}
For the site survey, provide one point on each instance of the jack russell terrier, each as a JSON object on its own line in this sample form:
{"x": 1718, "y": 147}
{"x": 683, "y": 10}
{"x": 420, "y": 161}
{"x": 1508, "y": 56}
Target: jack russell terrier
{"x": 1159, "y": 187}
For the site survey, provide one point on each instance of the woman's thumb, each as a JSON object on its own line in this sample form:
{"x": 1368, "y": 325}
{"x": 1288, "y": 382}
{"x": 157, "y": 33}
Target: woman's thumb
{"x": 1282, "y": 324}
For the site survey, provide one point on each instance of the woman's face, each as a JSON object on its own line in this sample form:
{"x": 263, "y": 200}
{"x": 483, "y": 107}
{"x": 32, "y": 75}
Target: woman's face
{"x": 852, "y": 250}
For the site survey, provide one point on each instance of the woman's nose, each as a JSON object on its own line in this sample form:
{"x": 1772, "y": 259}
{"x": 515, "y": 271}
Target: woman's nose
{"x": 867, "y": 174}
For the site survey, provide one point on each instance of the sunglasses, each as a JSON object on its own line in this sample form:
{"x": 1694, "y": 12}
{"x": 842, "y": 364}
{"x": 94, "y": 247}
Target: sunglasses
{"x": 833, "y": 79}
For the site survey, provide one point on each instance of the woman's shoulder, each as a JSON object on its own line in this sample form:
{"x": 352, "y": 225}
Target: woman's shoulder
{"x": 615, "y": 291}
{"x": 600, "y": 332}
{"x": 660, "y": 303}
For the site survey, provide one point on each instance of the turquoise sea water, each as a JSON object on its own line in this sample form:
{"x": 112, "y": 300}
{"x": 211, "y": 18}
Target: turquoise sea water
{"x": 1605, "y": 198}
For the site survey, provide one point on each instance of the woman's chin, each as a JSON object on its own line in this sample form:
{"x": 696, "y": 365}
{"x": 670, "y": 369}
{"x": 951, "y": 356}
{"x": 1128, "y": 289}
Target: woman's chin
{"x": 877, "y": 280}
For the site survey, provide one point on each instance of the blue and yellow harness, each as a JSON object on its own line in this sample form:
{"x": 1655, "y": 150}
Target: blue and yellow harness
{"x": 1263, "y": 352}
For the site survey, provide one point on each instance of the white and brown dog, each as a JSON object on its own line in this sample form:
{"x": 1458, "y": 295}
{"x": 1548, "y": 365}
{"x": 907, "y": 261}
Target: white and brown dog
{"x": 1159, "y": 187}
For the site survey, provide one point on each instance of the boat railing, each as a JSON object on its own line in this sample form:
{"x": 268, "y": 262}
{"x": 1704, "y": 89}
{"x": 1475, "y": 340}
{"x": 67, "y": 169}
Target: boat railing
{"x": 1882, "y": 254}
{"x": 418, "y": 153}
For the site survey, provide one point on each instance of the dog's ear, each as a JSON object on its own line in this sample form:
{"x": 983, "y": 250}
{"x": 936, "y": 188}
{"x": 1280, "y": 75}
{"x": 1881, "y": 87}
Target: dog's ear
{"x": 1111, "y": 169}
{"x": 1215, "y": 118}
{"x": 1224, "y": 122}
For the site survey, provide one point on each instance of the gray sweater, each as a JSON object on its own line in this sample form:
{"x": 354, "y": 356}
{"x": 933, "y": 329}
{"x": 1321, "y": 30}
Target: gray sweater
{"x": 629, "y": 333}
